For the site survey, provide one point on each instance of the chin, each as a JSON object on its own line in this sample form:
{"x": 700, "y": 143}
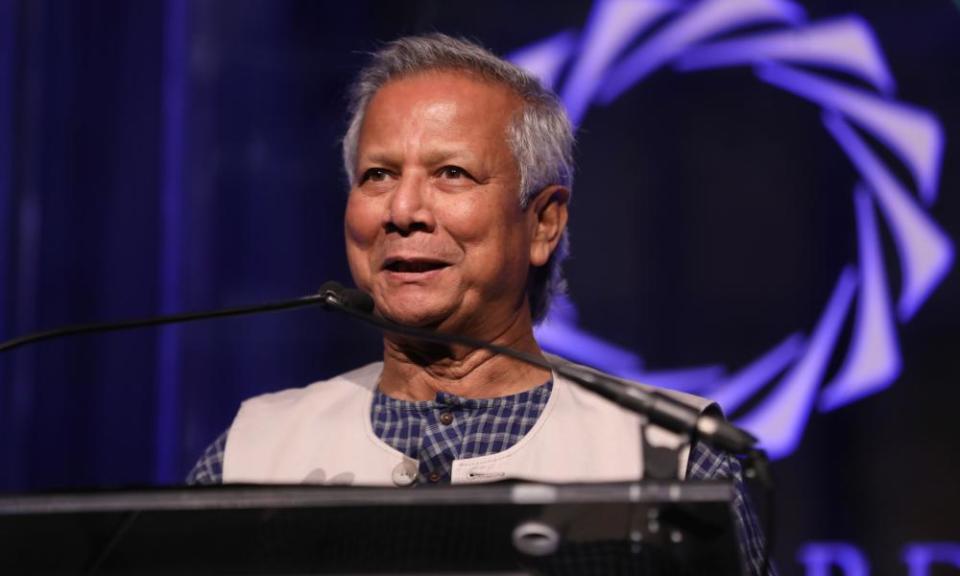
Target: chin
{"x": 412, "y": 304}
{"x": 412, "y": 311}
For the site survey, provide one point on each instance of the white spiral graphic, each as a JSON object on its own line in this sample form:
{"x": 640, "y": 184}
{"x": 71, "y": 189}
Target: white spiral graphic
{"x": 602, "y": 63}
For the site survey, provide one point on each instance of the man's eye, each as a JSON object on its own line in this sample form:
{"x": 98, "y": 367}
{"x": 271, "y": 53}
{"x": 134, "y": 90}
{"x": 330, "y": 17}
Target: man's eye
{"x": 374, "y": 175}
{"x": 454, "y": 172}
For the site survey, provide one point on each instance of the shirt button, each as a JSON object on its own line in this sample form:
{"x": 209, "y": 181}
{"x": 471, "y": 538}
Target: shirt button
{"x": 446, "y": 418}
{"x": 405, "y": 474}
{"x": 434, "y": 477}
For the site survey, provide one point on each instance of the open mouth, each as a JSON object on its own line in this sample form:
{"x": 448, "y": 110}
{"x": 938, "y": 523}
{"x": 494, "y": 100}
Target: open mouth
{"x": 414, "y": 266}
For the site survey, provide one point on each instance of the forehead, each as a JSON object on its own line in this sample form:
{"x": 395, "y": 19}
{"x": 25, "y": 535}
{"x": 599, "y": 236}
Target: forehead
{"x": 455, "y": 104}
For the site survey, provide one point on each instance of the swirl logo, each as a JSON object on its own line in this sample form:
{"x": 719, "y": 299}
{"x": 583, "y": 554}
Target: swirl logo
{"x": 601, "y": 68}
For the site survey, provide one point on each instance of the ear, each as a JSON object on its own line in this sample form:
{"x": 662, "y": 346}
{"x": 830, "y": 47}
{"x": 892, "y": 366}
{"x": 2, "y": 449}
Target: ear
{"x": 548, "y": 215}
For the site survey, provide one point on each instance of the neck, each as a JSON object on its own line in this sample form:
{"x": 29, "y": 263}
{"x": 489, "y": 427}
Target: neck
{"x": 414, "y": 371}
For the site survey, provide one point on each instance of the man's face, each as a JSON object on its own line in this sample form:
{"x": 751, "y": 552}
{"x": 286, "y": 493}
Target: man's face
{"x": 434, "y": 229}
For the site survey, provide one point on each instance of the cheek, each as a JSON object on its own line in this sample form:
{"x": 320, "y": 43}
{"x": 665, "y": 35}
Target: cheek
{"x": 494, "y": 231}
{"x": 361, "y": 227}
{"x": 362, "y": 220}
{"x": 480, "y": 217}
{"x": 464, "y": 220}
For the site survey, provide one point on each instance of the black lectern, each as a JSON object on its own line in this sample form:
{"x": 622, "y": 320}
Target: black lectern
{"x": 510, "y": 528}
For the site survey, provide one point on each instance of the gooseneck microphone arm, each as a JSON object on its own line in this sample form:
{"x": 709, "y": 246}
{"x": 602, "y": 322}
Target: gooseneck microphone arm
{"x": 658, "y": 408}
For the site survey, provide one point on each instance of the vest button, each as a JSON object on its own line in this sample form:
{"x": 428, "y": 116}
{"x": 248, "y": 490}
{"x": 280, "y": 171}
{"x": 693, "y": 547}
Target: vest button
{"x": 404, "y": 474}
{"x": 446, "y": 418}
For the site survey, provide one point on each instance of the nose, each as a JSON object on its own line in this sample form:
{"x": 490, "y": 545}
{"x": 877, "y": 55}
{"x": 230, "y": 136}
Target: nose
{"x": 410, "y": 207}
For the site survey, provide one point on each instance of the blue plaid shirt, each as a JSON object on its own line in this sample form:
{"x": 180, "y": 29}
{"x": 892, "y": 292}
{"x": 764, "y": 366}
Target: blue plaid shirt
{"x": 437, "y": 432}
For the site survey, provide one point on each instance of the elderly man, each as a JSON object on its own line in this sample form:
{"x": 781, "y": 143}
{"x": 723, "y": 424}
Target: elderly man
{"x": 460, "y": 171}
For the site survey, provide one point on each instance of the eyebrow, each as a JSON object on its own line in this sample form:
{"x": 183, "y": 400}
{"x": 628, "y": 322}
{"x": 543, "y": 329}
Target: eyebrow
{"x": 377, "y": 158}
{"x": 440, "y": 156}
{"x": 431, "y": 158}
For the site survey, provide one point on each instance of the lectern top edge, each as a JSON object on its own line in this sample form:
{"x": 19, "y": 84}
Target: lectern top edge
{"x": 240, "y": 497}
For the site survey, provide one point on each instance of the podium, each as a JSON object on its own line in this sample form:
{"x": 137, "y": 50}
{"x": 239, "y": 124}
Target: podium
{"x": 648, "y": 528}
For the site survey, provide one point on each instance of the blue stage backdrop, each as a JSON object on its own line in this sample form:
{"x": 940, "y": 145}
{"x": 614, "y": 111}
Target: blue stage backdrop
{"x": 765, "y": 212}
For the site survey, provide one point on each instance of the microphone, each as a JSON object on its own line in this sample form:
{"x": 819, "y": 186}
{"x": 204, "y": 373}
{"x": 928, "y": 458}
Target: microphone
{"x": 335, "y": 295}
{"x": 659, "y": 408}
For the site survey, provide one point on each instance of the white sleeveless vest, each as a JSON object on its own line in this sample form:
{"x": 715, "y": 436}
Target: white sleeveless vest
{"x": 323, "y": 434}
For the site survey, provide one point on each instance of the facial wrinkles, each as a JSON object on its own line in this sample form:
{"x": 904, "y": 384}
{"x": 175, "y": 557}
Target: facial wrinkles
{"x": 418, "y": 131}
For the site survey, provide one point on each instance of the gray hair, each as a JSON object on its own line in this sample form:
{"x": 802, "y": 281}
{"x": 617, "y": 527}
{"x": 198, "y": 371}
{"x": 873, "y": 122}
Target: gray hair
{"x": 540, "y": 136}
